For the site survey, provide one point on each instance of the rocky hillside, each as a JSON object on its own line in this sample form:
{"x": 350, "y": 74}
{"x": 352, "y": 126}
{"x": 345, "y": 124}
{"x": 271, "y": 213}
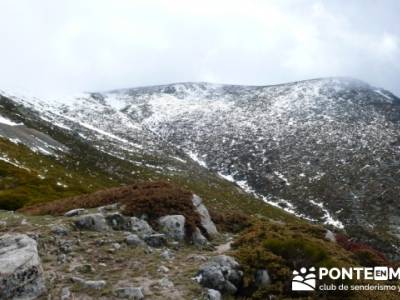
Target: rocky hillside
{"x": 158, "y": 241}
{"x": 326, "y": 149}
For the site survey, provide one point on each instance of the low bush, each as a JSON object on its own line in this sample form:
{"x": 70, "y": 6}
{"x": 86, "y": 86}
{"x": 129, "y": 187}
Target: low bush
{"x": 365, "y": 254}
{"x": 230, "y": 221}
{"x": 282, "y": 248}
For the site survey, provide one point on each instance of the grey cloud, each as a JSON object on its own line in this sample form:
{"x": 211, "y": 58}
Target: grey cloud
{"x": 50, "y": 47}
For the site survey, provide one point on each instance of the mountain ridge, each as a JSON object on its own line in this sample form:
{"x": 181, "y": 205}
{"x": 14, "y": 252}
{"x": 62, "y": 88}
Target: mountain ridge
{"x": 296, "y": 145}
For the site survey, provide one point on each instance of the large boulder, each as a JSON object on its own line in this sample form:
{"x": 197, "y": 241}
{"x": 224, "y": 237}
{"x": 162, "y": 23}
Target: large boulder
{"x": 140, "y": 227}
{"x": 134, "y": 240}
{"x": 156, "y": 240}
{"x": 222, "y": 273}
{"x": 95, "y": 222}
{"x": 213, "y": 295}
{"x": 205, "y": 218}
{"x": 198, "y": 238}
{"x": 21, "y": 273}
{"x": 173, "y": 226}
{"x": 118, "y": 222}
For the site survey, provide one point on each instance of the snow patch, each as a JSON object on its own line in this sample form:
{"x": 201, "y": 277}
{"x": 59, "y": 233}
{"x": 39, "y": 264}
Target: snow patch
{"x": 195, "y": 157}
{"x": 8, "y": 122}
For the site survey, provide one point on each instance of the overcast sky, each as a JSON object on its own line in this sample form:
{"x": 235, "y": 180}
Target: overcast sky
{"x": 49, "y": 47}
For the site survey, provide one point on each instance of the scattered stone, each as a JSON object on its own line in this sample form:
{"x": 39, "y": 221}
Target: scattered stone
{"x": 222, "y": 273}
{"x": 163, "y": 269}
{"x": 24, "y": 222}
{"x": 262, "y": 278}
{"x": 129, "y": 293}
{"x": 205, "y": 218}
{"x": 213, "y": 295}
{"x": 62, "y": 258}
{"x": 95, "y": 222}
{"x": 197, "y": 257}
{"x": 59, "y": 230}
{"x": 90, "y": 284}
{"x": 3, "y": 223}
{"x": 198, "y": 238}
{"x": 166, "y": 283}
{"x": 85, "y": 268}
{"x": 330, "y": 236}
{"x": 75, "y": 212}
{"x": 21, "y": 273}
{"x": 65, "y": 294}
{"x": 116, "y": 246}
{"x": 65, "y": 246}
{"x": 173, "y": 226}
{"x": 167, "y": 254}
{"x": 156, "y": 240}
{"x": 140, "y": 227}
{"x": 148, "y": 250}
{"x": 134, "y": 240}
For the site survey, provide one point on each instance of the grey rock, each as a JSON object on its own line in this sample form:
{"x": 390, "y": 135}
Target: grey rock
{"x": 262, "y": 278}
{"x": 108, "y": 208}
{"x": 167, "y": 254}
{"x": 173, "y": 226}
{"x": 60, "y": 230}
{"x": 129, "y": 293}
{"x": 65, "y": 294}
{"x": 85, "y": 268}
{"x": 140, "y": 227}
{"x": 95, "y": 222}
{"x": 330, "y": 236}
{"x": 222, "y": 273}
{"x": 166, "y": 283}
{"x": 197, "y": 257}
{"x": 198, "y": 238}
{"x": 156, "y": 240}
{"x": 116, "y": 246}
{"x": 21, "y": 273}
{"x": 163, "y": 269}
{"x": 90, "y": 284}
{"x": 62, "y": 258}
{"x": 75, "y": 212}
{"x": 205, "y": 218}
{"x": 118, "y": 222}
{"x": 134, "y": 240}
{"x": 213, "y": 295}
{"x": 65, "y": 246}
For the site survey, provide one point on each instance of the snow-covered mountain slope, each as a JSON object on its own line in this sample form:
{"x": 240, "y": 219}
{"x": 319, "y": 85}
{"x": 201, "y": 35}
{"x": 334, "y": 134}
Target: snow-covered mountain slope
{"x": 325, "y": 149}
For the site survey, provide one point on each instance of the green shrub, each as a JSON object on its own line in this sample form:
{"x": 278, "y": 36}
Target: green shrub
{"x": 282, "y": 248}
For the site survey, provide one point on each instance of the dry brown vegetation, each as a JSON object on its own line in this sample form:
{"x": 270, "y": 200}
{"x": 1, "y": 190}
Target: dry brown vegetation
{"x": 152, "y": 199}
{"x": 231, "y": 221}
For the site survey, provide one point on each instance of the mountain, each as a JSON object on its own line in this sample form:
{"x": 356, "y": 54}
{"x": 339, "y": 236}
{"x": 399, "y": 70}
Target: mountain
{"x": 327, "y": 150}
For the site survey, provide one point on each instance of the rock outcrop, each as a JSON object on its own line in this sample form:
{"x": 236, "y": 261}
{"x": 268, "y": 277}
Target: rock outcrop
{"x": 222, "y": 273}
{"x": 205, "y": 218}
{"x": 21, "y": 274}
{"x": 95, "y": 222}
{"x": 173, "y": 226}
